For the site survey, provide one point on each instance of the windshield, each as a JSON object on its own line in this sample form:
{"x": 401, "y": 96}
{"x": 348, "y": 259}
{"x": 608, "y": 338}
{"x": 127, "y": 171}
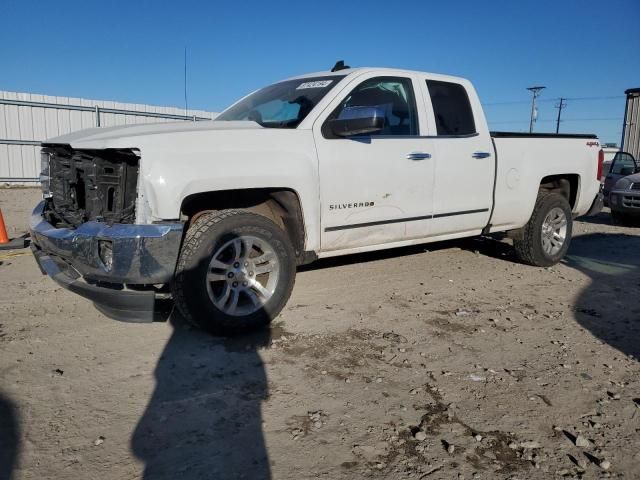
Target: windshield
{"x": 282, "y": 105}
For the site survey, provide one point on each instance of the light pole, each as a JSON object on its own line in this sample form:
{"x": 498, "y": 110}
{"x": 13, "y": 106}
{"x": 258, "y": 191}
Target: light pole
{"x": 536, "y": 93}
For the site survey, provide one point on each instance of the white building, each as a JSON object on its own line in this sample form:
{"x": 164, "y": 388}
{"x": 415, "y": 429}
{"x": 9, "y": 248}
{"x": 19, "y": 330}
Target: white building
{"x": 26, "y": 119}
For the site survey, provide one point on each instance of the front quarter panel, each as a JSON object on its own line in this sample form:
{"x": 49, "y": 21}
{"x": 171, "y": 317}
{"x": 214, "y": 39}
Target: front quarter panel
{"x": 176, "y": 166}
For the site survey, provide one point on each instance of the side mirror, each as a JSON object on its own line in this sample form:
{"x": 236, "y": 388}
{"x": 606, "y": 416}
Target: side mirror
{"x": 627, "y": 171}
{"x": 358, "y": 121}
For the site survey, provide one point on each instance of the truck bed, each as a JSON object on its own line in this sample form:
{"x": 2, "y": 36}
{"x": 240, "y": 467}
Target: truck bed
{"x": 524, "y": 160}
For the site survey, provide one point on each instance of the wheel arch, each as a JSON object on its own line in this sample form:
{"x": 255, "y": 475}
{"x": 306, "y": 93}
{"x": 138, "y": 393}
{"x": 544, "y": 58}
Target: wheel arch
{"x": 566, "y": 184}
{"x": 281, "y": 205}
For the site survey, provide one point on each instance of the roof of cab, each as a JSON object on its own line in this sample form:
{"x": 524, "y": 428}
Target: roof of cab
{"x": 384, "y": 71}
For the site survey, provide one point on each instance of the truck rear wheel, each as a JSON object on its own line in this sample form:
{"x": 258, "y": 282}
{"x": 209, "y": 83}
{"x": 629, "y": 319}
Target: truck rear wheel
{"x": 235, "y": 272}
{"x": 547, "y": 235}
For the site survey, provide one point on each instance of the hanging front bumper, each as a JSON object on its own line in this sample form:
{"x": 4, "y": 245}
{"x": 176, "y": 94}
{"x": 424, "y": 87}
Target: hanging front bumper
{"x": 124, "y": 286}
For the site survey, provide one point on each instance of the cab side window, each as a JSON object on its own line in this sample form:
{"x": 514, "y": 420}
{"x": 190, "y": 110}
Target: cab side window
{"x": 392, "y": 97}
{"x": 451, "y": 108}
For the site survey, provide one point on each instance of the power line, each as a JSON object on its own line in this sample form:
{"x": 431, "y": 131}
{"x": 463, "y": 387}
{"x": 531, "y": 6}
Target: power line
{"x": 610, "y": 119}
{"x": 573, "y": 99}
{"x": 514, "y": 102}
{"x": 610, "y": 97}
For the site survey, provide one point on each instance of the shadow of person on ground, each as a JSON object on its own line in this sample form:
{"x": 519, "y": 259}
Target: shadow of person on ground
{"x": 203, "y": 420}
{"x": 9, "y": 438}
{"x": 609, "y": 307}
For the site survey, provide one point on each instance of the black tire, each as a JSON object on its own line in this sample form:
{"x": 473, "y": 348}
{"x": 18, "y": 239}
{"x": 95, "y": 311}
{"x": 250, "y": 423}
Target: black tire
{"x": 529, "y": 249}
{"x": 203, "y": 239}
{"x": 617, "y": 218}
{"x": 621, "y": 219}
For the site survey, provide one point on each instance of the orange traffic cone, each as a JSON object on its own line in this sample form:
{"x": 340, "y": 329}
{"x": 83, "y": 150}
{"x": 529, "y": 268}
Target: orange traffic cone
{"x": 5, "y": 244}
{"x": 3, "y": 230}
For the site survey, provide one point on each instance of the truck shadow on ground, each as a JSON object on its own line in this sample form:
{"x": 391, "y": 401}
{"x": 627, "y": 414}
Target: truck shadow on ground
{"x": 488, "y": 246}
{"x": 377, "y": 255}
{"x": 9, "y": 438}
{"x": 609, "y": 306}
{"x": 603, "y": 218}
{"x": 204, "y": 418}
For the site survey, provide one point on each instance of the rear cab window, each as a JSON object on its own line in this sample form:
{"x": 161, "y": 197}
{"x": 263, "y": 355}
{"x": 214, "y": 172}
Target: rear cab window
{"x": 451, "y": 108}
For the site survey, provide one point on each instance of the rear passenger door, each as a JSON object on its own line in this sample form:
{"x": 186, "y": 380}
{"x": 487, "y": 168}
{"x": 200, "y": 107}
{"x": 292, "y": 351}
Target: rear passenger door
{"x": 464, "y": 158}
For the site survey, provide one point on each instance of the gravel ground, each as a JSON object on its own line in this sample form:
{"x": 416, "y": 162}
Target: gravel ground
{"x": 444, "y": 361}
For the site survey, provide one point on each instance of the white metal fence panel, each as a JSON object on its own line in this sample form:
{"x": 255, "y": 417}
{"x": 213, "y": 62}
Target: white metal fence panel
{"x": 26, "y": 119}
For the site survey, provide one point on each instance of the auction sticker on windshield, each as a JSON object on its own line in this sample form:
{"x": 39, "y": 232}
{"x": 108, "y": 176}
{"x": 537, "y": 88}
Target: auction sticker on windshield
{"x": 316, "y": 84}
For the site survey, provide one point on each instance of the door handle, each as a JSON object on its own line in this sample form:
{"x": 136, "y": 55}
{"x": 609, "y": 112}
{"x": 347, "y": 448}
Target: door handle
{"x": 481, "y": 154}
{"x": 418, "y": 156}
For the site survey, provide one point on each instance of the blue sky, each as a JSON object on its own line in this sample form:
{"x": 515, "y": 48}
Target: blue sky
{"x": 132, "y": 51}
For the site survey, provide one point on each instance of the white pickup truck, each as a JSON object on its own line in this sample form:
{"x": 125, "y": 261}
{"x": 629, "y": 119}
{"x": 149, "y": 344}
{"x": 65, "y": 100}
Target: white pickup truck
{"x": 216, "y": 215}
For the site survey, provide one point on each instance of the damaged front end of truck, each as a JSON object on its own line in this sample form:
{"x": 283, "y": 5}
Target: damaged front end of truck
{"x": 85, "y": 236}
{"x": 89, "y": 185}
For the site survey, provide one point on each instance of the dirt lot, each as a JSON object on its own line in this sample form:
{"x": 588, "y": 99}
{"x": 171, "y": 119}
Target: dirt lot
{"x": 438, "y": 362}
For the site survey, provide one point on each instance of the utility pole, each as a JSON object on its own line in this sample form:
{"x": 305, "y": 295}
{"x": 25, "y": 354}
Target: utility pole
{"x": 561, "y": 104}
{"x": 536, "y": 93}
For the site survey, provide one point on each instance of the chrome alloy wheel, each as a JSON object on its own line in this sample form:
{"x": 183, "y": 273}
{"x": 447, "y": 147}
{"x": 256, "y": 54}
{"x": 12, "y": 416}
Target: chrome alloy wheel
{"x": 243, "y": 275}
{"x": 554, "y": 231}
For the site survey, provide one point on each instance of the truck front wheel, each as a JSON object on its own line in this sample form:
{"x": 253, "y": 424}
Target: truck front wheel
{"x": 547, "y": 235}
{"x": 235, "y": 272}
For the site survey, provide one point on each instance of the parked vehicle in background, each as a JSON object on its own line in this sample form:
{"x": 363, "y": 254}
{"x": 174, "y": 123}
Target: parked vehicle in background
{"x": 218, "y": 214}
{"x": 622, "y": 189}
{"x": 622, "y": 165}
{"x": 609, "y": 154}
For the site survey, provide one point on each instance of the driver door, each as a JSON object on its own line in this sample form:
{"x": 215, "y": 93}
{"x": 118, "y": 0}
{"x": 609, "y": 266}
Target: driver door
{"x": 375, "y": 188}
{"x": 620, "y": 167}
